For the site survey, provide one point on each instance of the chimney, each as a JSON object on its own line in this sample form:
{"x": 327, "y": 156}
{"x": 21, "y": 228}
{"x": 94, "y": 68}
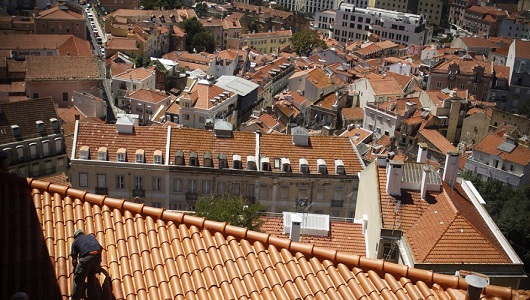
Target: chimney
{"x": 296, "y": 225}
{"x": 475, "y": 286}
{"x": 381, "y": 160}
{"x": 451, "y": 168}
{"x": 394, "y": 174}
{"x": 422, "y": 153}
{"x": 424, "y": 180}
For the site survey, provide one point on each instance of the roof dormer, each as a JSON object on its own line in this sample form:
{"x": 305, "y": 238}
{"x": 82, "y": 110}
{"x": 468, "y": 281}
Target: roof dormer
{"x": 286, "y": 165}
{"x": 321, "y": 165}
{"x": 223, "y": 161}
{"x": 84, "y": 152}
{"x": 157, "y": 157}
{"x": 251, "y": 163}
{"x": 102, "y": 153}
{"x": 339, "y": 167}
{"x": 139, "y": 156}
{"x": 207, "y": 160}
{"x": 121, "y": 155}
{"x": 179, "y": 158}
{"x": 40, "y": 126}
{"x": 304, "y": 166}
{"x": 265, "y": 164}
{"x": 236, "y": 162}
{"x": 194, "y": 159}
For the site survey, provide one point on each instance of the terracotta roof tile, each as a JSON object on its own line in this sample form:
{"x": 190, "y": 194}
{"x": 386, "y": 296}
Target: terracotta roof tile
{"x": 352, "y": 113}
{"x": 438, "y": 140}
{"x": 122, "y": 43}
{"x": 522, "y": 49}
{"x": 34, "y": 41}
{"x": 138, "y": 73}
{"x": 490, "y": 143}
{"x": 445, "y": 227}
{"x": 152, "y": 253}
{"x": 148, "y": 96}
{"x": 59, "y": 12}
{"x": 386, "y": 86}
{"x": 343, "y": 236}
{"x": 61, "y": 68}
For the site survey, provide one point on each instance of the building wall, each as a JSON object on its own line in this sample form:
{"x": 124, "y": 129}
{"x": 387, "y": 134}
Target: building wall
{"x": 368, "y": 208}
{"x": 61, "y": 91}
{"x": 180, "y": 187}
{"x": 379, "y": 121}
{"x": 121, "y": 86}
{"x": 439, "y": 81}
{"x": 73, "y": 27}
{"x": 474, "y": 128}
{"x": 511, "y": 29}
{"x": 89, "y": 105}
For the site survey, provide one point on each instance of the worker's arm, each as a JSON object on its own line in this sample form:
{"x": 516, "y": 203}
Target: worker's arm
{"x": 74, "y": 254}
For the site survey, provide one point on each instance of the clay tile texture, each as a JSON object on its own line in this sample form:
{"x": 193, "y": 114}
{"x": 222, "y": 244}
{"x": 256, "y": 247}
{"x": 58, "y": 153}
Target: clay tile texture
{"x": 151, "y": 254}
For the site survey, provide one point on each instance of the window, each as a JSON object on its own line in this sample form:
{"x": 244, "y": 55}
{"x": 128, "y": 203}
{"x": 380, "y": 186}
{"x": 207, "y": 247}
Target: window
{"x": 221, "y": 187}
{"x": 102, "y": 181}
{"x": 158, "y": 159}
{"x": 320, "y": 193}
{"x": 236, "y": 188}
{"x": 33, "y": 150}
{"x": 156, "y": 204}
{"x": 139, "y": 156}
{"x": 192, "y": 186}
{"x": 186, "y": 117}
{"x": 462, "y": 86}
{"x": 302, "y": 191}
{"x": 177, "y": 185}
{"x": 65, "y": 97}
{"x": 138, "y": 183}
{"x": 45, "y": 147}
{"x": 450, "y": 86}
{"x": 121, "y": 154}
{"x": 83, "y": 179}
{"x": 201, "y": 119}
{"x": 250, "y": 190}
{"x": 206, "y": 186}
{"x": 120, "y": 181}
{"x": 263, "y": 191}
{"x": 156, "y": 184}
{"x": 439, "y": 84}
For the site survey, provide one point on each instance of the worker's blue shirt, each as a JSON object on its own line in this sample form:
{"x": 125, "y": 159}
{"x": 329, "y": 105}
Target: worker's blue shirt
{"x": 83, "y": 244}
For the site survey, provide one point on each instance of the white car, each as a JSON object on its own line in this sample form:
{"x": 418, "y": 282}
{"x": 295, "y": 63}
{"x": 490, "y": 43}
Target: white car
{"x": 102, "y": 51}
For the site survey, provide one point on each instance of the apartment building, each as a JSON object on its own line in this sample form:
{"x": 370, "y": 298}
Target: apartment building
{"x": 353, "y": 23}
{"x": 457, "y": 10}
{"x": 146, "y": 104}
{"x": 375, "y": 90}
{"x": 484, "y": 20}
{"x": 501, "y": 158}
{"x": 31, "y": 137}
{"x": 132, "y": 80}
{"x": 62, "y": 18}
{"x": 315, "y": 83}
{"x": 420, "y": 219}
{"x": 172, "y": 167}
{"x": 517, "y": 25}
{"x": 384, "y": 118}
{"x": 266, "y": 42}
{"x": 203, "y": 103}
{"x": 519, "y": 62}
{"x": 433, "y": 10}
{"x": 272, "y": 77}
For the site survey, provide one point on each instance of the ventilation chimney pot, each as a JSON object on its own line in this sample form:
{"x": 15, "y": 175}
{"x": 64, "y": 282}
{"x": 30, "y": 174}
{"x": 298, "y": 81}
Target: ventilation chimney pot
{"x": 381, "y": 160}
{"x": 424, "y": 180}
{"x": 422, "y": 153}
{"x": 475, "y": 286}
{"x": 451, "y": 168}
{"x": 394, "y": 175}
{"x": 296, "y": 224}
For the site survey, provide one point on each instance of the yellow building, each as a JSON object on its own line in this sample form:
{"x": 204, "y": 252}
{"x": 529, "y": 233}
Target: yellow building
{"x": 266, "y": 42}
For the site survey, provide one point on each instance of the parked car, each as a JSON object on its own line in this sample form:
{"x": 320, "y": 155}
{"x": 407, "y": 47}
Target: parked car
{"x": 96, "y": 32}
{"x": 99, "y": 40}
{"x": 102, "y": 51}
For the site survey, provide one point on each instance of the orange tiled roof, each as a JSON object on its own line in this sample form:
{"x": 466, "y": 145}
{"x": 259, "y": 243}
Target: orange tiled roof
{"x": 136, "y": 74}
{"x": 61, "y": 68}
{"x": 122, "y": 43}
{"x": 203, "y": 93}
{"x": 152, "y": 253}
{"x": 522, "y": 49}
{"x": 343, "y": 236}
{"x": 490, "y": 143}
{"x": 438, "y": 140}
{"x": 386, "y": 86}
{"x": 444, "y": 227}
{"x": 148, "y": 95}
{"x": 465, "y": 66}
{"x": 353, "y": 113}
{"x": 357, "y": 135}
{"x": 58, "y": 13}
{"x": 74, "y": 46}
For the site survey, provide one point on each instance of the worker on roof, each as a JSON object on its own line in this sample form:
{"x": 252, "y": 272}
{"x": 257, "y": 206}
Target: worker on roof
{"x": 87, "y": 247}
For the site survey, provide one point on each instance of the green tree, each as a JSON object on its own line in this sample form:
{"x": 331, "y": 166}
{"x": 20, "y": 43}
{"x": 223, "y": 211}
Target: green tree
{"x": 305, "y": 41}
{"x": 201, "y": 9}
{"x": 510, "y": 209}
{"x": 197, "y": 37}
{"x": 233, "y": 209}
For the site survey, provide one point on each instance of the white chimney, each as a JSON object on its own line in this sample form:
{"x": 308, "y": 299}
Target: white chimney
{"x": 424, "y": 180}
{"x": 296, "y": 225}
{"x": 394, "y": 174}
{"x": 451, "y": 168}
{"x": 381, "y": 160}
{"x": 422, "y": 153}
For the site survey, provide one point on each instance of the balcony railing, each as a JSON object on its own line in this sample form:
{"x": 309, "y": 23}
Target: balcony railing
{"x": 337, "y": 203}
{"x": 102, "y": 191}
{"x": 138, "y": 193}
{"x": 191, "y": 196}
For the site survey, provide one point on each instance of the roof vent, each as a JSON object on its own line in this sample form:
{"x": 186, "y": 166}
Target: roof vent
{"x": 207, "y": 160}
{"x": 321, "y": 164}
{"x": 251, "y": 163}
{"x": 223, "y": 129}
{"x": 223, "y": 162}
{"x": 194, "y": 160}
{"x": 286, "y": 165}
{"x": 312, "y": 224}
{"x": 304, "y": 166}
{"x": 179, "y": 158}
{"x": 55, "y": 124}
{"x": 475, "y": 286}
{"x": 16, "y": 130}
{"x": 236, "y": 162}
{"x": 339, "y": 167}
{"x": 300, "y": 136}
{"x": 265, "y": 164}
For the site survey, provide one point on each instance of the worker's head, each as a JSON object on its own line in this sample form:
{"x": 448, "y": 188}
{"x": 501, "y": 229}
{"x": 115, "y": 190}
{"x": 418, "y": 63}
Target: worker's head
{"x": 78, "y": 232}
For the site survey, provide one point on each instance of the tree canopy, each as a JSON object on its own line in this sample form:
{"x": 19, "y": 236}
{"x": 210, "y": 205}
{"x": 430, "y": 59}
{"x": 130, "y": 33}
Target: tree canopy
{"x": 305, "y": 41}
{"x": 233, "y": 209}
{"x": 198, "y": 39}
{"x": 510, "y": 209}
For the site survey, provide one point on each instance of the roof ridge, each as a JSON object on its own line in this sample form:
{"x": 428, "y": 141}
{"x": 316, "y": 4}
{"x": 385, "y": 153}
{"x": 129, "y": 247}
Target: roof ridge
{"x": 239, "y": 233}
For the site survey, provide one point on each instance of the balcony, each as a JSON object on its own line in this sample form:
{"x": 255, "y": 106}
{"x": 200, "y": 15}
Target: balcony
{"x": 138, "y": 193}
{"x": 102, "y": 191}
{"x": 337, "y": 203}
